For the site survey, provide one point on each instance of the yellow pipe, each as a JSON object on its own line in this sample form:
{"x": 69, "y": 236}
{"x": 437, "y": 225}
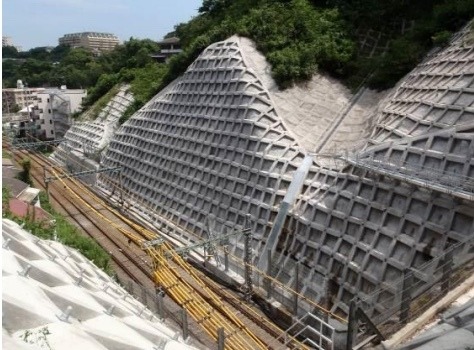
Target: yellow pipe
{"x": 203, "y": 313}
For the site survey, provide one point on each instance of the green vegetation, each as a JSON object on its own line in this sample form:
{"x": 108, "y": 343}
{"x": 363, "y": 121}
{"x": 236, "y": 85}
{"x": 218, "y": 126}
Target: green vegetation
{"x": 426, "y": 23}
{"x": 62, "y": 230}
{"x": 38, "y": 336}
{"x": 6, "y": 154}
{"x": 298, "y": 38}
{"x": 24, "y": 175}
{"x": 79, "y": 68}
{"x": 6, "y": 195}
{"x": 100, "y": 104}
{"x": 44, "y": 67}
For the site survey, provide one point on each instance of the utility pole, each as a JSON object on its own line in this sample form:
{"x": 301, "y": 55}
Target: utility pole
{"x": 46, "y": 183}
{"x": 248, "y": 265}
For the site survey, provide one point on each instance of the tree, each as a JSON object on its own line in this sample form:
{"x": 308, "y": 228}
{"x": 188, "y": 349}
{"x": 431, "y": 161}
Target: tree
{"x": 77, "y": 57}
{"x": 59, "y": 52}
{"x": 40, "y": 53}
{"x": 6, "y": 196}
{"x": 24, "y": 175}
{"x": 9, "y": 52}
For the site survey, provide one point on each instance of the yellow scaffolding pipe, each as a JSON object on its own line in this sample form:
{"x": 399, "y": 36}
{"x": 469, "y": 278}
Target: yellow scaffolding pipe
{"x": 238, "y": 338}
{"x": 201, "y": 311}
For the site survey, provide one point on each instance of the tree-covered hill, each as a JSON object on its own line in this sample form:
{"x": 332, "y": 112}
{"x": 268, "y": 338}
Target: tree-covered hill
{"x": 79, "y": 68}
{"x": 370, "y": 41}
{"x": 299, "y": 37}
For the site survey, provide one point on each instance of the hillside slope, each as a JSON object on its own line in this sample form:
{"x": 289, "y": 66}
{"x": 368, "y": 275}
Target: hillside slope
{"x": 216, "y": 143}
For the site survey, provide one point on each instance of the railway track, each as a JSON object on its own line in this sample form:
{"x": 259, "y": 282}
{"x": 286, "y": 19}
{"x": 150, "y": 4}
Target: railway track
{"x": 122, "y": 239}
{"x": 94, "y": 228}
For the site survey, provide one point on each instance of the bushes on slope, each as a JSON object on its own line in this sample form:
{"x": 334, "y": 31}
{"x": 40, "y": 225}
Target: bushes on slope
{"x": 62, "y": 230}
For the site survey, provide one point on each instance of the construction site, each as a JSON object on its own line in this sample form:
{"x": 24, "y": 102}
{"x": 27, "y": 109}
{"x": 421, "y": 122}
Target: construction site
{"x": 242, "y": 216}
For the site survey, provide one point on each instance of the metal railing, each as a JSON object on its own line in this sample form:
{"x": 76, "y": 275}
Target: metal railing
{"x": 436, "y": 179}
{"x": 316, "y": 332}
{"x": 394, "y": 305}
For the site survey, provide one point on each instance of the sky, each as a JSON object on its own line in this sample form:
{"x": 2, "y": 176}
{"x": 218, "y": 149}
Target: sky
{"x": 34, "y": 23}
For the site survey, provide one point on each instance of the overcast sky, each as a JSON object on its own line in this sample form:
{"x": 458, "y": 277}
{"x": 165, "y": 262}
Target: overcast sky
{"x": 33, "y": 23}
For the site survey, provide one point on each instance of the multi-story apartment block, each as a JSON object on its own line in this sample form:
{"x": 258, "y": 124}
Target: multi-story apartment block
{"x": 15, "y": 99}
{"x": 55, "y": 107}
{"x": 47, "y": 113}
{"x": 96, "y": 42}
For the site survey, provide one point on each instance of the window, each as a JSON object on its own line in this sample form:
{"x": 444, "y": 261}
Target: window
{"x": 49, "y": 111}
{"x": 52, "y": 132}
{"x": 47, "y": 100}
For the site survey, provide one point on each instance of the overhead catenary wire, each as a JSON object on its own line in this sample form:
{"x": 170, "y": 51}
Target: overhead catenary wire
{"x": 138, "y": 240}
{"x": 258, "y": 271}
{"x": 240, "y": 261}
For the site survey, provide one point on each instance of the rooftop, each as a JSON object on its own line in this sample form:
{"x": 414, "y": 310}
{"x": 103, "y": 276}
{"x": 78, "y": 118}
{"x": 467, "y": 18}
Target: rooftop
{"x": 172, "y": 40}
{"x": 91, "y": 34}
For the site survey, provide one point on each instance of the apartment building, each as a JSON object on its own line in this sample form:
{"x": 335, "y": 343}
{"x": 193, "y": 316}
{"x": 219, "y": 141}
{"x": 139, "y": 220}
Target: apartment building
{"x": 168, "y": 47}
{"x": 54, "y": 109}
{"x": 47, "y": 115}
{"x": 15, "y": 99}
{"x": 96, "y": 42}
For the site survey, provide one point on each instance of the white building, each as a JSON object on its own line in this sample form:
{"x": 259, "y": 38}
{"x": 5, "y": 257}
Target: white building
{"x": 55, "y": 107}
{"x": 46, "y": 114}
{"x": 19, "y": 97}
{"x": 94, "y": 41}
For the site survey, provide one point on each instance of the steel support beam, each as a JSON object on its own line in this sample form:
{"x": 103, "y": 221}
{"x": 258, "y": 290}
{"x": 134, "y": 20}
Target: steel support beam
{"x": 81, "y": 173}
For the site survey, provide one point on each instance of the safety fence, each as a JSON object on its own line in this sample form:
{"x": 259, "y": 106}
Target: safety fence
{"x": 150, "y": 297}
{"x": 315, "y": 332}
{"x": 306, "y": 319}
{"x": 434, "y": 178}
{"x": 394, "y": 305}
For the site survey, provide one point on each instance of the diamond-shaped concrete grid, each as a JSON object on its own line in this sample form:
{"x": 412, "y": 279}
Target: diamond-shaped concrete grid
{"x": 212, "y": 143}
{"x": 90, "y": 138}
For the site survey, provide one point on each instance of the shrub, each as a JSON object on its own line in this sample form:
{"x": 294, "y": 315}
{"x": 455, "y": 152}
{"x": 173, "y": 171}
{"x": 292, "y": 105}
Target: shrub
{"x": 63, "y": 231}
{"x": 24, "y": 175}
{"x": 441, "y": 38}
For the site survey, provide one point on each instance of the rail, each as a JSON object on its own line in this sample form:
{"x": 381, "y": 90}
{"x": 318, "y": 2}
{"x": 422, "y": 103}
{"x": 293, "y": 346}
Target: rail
{"x": 281, "y": 292}
{"x": 456, "y": 184}
{"x": 238, "y": 336}
{"x": 276, "y": 284}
